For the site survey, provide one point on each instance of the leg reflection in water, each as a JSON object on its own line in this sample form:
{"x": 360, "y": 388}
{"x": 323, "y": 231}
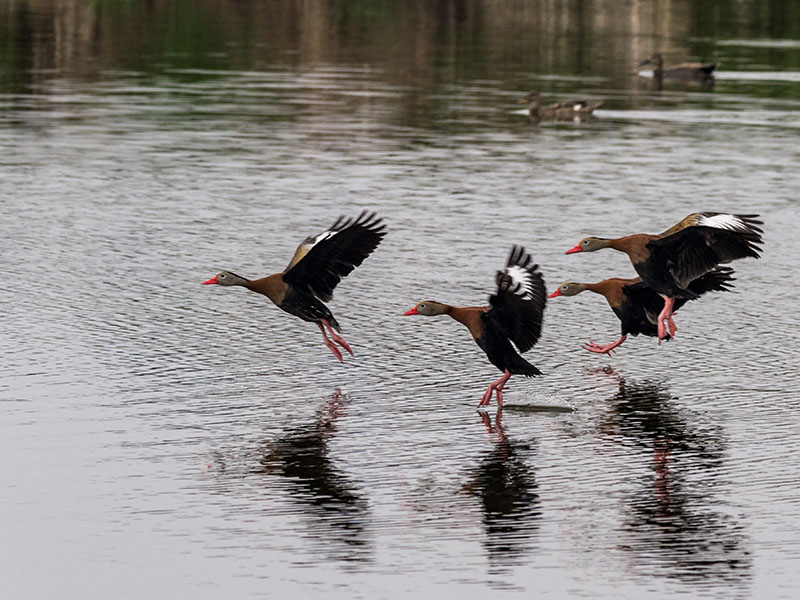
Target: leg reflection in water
{"x": 338, "y": 515}
{"x": 506, "y": 485}
{"x": 677, "y": 520}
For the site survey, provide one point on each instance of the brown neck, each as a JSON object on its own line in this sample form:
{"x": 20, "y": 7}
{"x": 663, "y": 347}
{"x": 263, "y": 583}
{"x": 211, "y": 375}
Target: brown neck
{"x": 611, "y": 289}
{"x": 272, "y": 286}
{"x": 469, "y": 316}
{"x": 633, "y": 245}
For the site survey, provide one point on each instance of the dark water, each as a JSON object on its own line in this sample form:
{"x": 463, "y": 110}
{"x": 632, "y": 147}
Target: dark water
{"x": 160, "y": 438}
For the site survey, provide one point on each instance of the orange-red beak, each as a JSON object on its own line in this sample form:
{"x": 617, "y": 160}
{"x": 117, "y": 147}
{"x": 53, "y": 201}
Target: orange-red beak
{"x": 210, "y": 281}
{"x": 577, "y": 248}
{"x": 413, "y": 311}
{"x": 555, "y": 294}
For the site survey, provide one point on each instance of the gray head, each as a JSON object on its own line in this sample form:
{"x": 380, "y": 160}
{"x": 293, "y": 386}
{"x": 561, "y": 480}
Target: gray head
{"x": 427, "y": 308}
{"x": 589, "y": 244}
{"x": 569, "y": 288}
{"x": 226, "y": 278}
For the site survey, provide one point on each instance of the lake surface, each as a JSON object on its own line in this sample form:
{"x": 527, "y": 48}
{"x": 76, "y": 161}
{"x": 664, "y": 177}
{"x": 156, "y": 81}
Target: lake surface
{"x": 159, "y": 438}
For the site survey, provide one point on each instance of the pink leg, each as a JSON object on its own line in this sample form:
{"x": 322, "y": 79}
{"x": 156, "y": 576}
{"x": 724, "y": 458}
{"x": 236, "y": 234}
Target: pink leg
{"x": 331, "y": 346}
{"x": 498, "y": 391}
{"x": 607, "y": 349}
{"x": 672, "y": 327}
{"x": 500, "y": 386}
{"x": 337, "y": 338}
{"x": 670, "y": 322}
{"x": 665, "y": 315}
{"x": 496, "y": 386}
{"x": 487, "y": 396}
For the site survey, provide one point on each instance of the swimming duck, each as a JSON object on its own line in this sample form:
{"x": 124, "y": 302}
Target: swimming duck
{"x": 558, "y": 111}
{"x": 690, "y": 71}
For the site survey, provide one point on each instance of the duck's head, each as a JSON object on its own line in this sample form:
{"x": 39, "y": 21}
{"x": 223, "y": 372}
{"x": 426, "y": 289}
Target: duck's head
{"x": 225, "y": 278}
{"x": 532, "y": 98}
{"x": 569, "y": 288}
{"x": 655, "y": 61}
{"x": 427, "y": 308}
{"x": 589, "y": 244}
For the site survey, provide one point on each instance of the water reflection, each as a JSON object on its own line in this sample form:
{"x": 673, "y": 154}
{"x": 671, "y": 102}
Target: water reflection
{"x": 675, "y": 522}
{"x": 132, "y": 130}
{"x": 338, "y": 515}
{"x": 506, "y": 485}
{"x": 590, "y": 44}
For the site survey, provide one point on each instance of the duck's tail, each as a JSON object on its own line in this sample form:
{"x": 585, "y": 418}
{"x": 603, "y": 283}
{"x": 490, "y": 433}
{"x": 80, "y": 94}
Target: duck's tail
{"x": 517, "y": 365}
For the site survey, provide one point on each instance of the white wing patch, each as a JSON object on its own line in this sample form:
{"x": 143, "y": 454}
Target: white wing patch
{"x": 521, "y": 277}
{"x": 723, "y": 221}
{"x": 306, "y": 247}
{"x": 311, "y": 242}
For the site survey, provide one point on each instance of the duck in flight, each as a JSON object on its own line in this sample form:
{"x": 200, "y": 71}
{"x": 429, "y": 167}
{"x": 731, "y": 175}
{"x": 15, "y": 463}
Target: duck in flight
{"x": 669, "y": 262}
{"x": 318, "y": 265}
{"x": 637, "y": 306}
{"x": 514, "y": 315}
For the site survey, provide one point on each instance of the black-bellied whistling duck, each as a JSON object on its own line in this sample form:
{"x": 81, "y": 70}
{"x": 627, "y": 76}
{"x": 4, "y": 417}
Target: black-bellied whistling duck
{"x": 558, "y": 111}
{"x": 670, "y": 261}
{"x": 695, "y": 71}
{"x": 514, "y": 314}
{"x": 637, "y": 306}
{"x": 318, "y": 265}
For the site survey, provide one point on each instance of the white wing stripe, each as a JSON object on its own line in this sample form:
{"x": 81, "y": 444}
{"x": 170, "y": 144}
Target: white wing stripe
{"x": 521, "y": 277}
{"x": 724, "y": 221}
{"x": 321, "y": 237}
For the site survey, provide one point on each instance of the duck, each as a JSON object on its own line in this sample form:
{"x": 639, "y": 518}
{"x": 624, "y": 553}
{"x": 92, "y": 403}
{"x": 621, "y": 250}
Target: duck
{"x": 317, "y": 266}
{"x": 668, "y": 262}
{"x": 689, "y": 71}
{"x": 637, "y": 306}
{"x": 514, "y": 315}
{"x": 575, "y": 110}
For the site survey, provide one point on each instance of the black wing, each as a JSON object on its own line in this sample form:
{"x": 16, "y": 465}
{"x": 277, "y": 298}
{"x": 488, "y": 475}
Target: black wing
{"x": 719, "y": 280}
{"x": 692, "y": 252}
{"x": 320, "y": 262}
{"x": 518, "y": 305}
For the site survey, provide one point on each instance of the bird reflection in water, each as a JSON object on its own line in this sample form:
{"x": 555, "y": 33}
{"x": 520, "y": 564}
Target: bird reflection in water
{"x": 676, "y": 522}
{"x": 339, "y": 515}
{"x": 506, "y": 486}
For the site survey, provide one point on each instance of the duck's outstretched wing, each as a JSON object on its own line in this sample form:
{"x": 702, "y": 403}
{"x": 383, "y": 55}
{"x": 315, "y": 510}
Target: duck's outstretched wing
{"x": 517, "y": 308}
{"x": 321, "y": 261}
{"x": 702, "y": 241}
{"x": 718, "y": 280}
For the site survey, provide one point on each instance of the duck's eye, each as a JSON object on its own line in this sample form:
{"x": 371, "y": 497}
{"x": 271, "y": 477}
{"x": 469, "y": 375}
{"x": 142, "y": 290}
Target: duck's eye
{"x": 222, "y": 276}
{"x": 564, "y": 287}
{"x": 422, "y": 306}
{"x": 584, "y": 242}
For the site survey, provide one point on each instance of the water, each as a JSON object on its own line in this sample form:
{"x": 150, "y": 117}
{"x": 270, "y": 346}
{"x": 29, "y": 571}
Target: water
{"x": 164, "y": 438}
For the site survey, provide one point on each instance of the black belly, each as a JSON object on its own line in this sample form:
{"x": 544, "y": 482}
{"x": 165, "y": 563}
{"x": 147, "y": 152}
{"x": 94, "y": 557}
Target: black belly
{"x": 633, "y": 318}
{"x": 502, "y": 354}
{"x": 307, "y": 307}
